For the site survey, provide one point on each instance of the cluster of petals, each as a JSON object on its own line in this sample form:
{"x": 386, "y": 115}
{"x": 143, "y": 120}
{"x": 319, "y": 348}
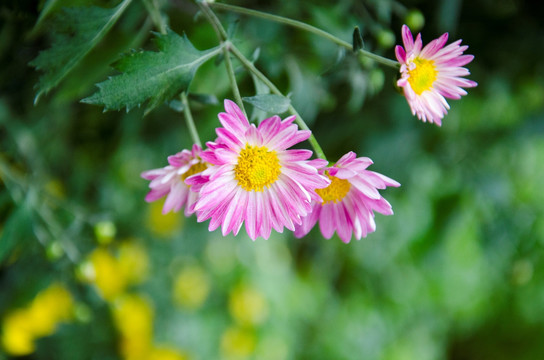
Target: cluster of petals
{"x": 169, "y": 181}
{"x": 431, "y": 74}
{"x": 250, "y": 176}
{"x": 254, "y": 177}
{"x": 350, "y": 201}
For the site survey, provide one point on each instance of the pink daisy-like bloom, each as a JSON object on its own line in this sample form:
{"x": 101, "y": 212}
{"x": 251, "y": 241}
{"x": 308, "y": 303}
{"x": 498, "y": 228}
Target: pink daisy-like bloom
{"x": 255, "y": 178}
{"x": 170, "y": 180}
{"x": 431, "y": 74}
{"x": 349, "y": 201}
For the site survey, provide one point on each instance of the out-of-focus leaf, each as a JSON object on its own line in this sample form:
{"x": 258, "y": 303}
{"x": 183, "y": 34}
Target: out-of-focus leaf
{"x": 307, "y": 91}
{"x": 260, "y": 89}
{"x": 233, "y": 27}
{"x": 15, "y": 231}
{"x": 176, "y": 105}
{"x": 153, "y": 76}
{"x": 270, "y": 103}
{"x": 51, "y": 6}
{"x": 79, "y": 29}
{"x": 207, "y": 99}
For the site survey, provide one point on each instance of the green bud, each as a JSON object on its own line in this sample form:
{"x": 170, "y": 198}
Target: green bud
{"x": 105, "y": 232}
{"x": 82, "y": 313}
{"x": 54, "y": 251}
{"x": 415, "y": 20}
{"x": 386, "y": 38}
{"x": 376, "y": 80}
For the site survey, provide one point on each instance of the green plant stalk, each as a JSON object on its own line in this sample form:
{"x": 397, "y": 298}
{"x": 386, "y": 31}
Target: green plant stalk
{"x": 12, "y": 176}
{"x": 154, "y": 12}
{"x": 223, "y": 38}
{"x": 250, "y": 67}
{"x": 189, "y": 120}
{"x": 303, "y": 26}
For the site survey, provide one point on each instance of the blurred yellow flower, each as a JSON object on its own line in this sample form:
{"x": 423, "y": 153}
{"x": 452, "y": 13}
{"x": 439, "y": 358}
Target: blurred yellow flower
{"x": 112, "y": 275}
{"x": 163, "y": 224}
{"x": 17, "y": 337}
{"x": 133, "y": 262}
{"x": 237, "y": 343}
{"x": 22, "y": 326}
{"x": 247, "y": 305}
{"x": 133, "y": 317}
{"x": 191, "y": 287}
{"x": 108, "y": 279}
{"x": 164, "y": 353}
{"x": 48, "y": 308}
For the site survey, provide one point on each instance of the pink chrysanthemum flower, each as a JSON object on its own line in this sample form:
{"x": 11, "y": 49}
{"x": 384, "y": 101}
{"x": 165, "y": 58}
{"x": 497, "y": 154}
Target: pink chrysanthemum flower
{"x": 349, "y": 201}
{"x": 170, "y": 181}
{"x": 254, "y": 178}
{"x": 431, "y": 74}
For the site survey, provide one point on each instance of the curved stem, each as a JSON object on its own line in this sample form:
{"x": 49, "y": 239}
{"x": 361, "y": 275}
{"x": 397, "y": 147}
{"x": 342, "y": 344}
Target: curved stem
{"x": 250, "y": 67}
{"x": 232, "y": 77}
{"x": 189, "y": 119}
{"x": 153, "y": 9}
{"x": 223, "y": 39}
{"x": 306, "y": 27}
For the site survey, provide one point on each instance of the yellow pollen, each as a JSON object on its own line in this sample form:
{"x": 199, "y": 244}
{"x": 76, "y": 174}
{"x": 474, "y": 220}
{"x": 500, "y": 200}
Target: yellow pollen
{"x": 336, "y": 191}
{"x": 257, "y": 167}
{"x": 422, "y": 76}
{"x": 194, "y": 169}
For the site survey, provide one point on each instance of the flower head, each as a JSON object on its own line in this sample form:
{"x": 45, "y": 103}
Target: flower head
{"x": 170, "y": 180}
{"x": 254, "y": 177}
{"x": 349, "y": 201}
{"x": 431, "y": 74}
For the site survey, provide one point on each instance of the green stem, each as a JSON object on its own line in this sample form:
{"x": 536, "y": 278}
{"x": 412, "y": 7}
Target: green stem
{"x": 153, "y": 9}
{"x": 189, "y": 120}
{"x": 232, "y": 77}
{"x": 223, "y": 38}
{"x": 250, "y": 67}
{"x": 303, "y": 26}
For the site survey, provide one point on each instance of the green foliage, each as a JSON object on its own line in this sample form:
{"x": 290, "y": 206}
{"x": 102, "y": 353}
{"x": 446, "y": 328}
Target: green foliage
{"x": 78, "y": 31}
{"x": 456, "y": 273}
{"x": 152, "y": 76}
{"x": 270, "y": 103}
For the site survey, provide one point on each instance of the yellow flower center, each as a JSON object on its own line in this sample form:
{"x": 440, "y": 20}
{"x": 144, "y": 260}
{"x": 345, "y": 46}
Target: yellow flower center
{"x": 257, "y": 167}
{"x": 422, "y": 76}
{"x": 194, "y": 169}
{"x": 336, "y": 191}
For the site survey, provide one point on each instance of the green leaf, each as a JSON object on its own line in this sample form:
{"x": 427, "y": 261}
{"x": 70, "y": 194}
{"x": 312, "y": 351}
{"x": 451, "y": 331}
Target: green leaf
{"x": 152, "y": 76}
{"x": 15, "y": 232}
{"x": 271, "y": 103}
{"x": 79, "y": 29}
{"x": 206, "y": 99}
{"x": 260, "y": 89}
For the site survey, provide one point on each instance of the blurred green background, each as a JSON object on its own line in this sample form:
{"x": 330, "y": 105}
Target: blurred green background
{"x": 88, "y": 270}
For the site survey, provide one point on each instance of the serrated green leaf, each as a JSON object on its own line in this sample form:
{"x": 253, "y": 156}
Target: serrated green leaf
{"x": 79, "y": 29}
{"x": 271, "y": 103}
{"x": 152, "y": 76}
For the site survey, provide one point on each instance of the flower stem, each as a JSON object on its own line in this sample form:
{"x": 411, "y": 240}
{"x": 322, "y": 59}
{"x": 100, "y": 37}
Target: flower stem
{"x": 223, "y": 39}
{"x": 153, "y": 9}
{"x": 250, "y": 67}
{"x": 303, "y": 26}
{"x": 189, "y": 119}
